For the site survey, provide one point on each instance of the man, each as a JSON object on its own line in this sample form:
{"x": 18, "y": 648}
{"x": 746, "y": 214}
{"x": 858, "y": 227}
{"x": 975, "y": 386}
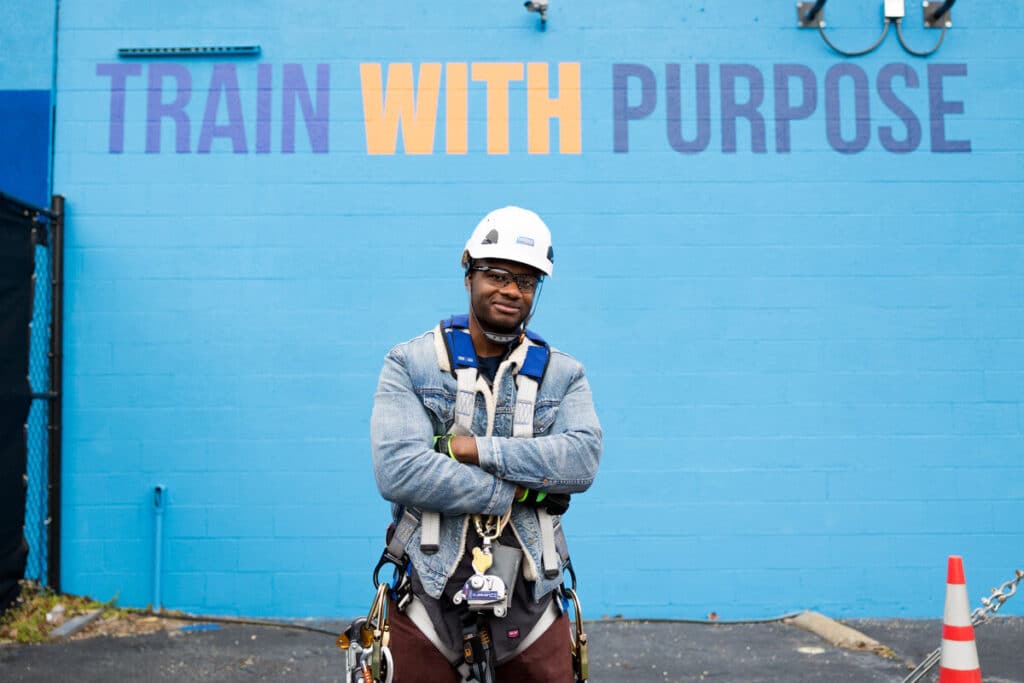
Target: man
{"x": 480, "y": 431}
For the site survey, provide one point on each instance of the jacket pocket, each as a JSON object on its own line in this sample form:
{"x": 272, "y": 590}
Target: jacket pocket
{"x": 440, "y": 406}
{"x": 544, "y": 414}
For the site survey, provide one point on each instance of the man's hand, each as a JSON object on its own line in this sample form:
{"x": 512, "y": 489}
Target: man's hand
{"x": 554, "y": 503}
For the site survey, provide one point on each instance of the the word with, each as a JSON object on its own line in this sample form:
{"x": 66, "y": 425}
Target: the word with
{"x": 399, "y": 104}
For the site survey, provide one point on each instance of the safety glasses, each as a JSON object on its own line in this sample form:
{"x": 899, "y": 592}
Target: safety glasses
{"x": 500, "y": 278}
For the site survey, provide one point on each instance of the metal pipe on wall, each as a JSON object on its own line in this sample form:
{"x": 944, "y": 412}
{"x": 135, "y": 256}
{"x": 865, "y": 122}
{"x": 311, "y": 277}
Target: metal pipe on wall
{"x": 159, "y": 495}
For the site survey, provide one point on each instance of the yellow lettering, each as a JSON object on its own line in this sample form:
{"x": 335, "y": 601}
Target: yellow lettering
{"x": 497, "y": 75}
{"x": 384, "y": 110}
{"x": 457, "y": 108}
{"x": 541, "y": 108}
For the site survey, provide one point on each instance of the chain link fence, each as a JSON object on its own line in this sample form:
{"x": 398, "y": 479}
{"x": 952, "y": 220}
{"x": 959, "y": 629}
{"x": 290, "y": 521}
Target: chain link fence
{"x": 37, "y": 517}
{"x": 36, "y": 289}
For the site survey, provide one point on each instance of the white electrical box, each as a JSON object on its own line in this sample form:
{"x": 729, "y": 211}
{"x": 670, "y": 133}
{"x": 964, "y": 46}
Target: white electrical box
{"x": 894, "y": 9}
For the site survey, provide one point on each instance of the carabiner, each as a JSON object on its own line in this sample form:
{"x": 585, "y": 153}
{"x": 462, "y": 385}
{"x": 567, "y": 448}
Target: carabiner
{"x": 580, "y": 648}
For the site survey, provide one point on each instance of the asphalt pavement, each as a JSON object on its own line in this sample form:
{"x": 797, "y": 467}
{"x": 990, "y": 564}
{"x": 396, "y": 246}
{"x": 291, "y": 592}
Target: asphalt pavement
{"x": 639, "y": 652}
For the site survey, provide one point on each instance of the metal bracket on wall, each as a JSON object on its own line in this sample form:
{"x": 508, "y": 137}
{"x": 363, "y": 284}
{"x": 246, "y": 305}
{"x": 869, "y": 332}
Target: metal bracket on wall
{"x": 815, "y": 10}
{"x": 937, "y": 14}
{"x": 210, "y": 51}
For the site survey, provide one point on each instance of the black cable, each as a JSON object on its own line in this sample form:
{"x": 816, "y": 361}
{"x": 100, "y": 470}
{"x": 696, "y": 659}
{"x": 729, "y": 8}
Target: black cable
{"x": 238, "y": 621}
{"x": 942, "y": 11}
{"x": 699, "y": 622}
{"x": 300, "y": 627}
{"x": 899, "y": 35}
{"x": 813, "y": 12}
{"x": 844, "y": 53}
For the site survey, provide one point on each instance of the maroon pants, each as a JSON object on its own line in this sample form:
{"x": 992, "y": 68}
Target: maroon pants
{"x": 547, "y": 660}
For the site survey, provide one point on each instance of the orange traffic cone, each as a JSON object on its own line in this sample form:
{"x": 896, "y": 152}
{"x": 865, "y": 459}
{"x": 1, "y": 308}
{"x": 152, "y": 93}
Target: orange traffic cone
{"x": 959, "y": 662}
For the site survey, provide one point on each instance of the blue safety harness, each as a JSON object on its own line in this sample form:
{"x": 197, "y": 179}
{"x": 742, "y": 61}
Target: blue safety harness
{"x": 461, "y": 353}
{"x": 456, "y": 354}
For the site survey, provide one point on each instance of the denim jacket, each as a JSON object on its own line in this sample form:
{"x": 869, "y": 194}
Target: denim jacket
{"x": 415, "y": 401}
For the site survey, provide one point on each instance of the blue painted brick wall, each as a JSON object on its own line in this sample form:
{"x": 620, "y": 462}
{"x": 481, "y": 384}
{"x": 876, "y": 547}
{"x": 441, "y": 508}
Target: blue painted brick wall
{"x": 808, "y": 364}
{"x": 26, "y": 76}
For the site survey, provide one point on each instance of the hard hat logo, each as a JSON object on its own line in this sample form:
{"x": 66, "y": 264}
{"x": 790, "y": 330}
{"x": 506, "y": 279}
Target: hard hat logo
{"x": 512, "y": 234}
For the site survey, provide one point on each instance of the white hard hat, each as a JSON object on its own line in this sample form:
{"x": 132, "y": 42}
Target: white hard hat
{"x": 512, "y": 234}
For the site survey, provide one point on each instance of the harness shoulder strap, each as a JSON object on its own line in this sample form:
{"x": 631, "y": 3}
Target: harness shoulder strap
{"x": 455, "y": 353}
{"x": 528, "y": 379}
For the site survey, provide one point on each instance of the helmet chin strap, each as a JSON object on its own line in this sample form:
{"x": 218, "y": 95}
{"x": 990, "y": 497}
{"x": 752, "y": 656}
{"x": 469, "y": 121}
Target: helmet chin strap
{"x": 507, "y": 338}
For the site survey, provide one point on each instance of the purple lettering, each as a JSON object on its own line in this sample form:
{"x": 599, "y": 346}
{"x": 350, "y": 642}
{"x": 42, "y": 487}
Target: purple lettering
{"x": 295, "y": 88}
{"x": 119, "y": 74}
{"x": 899, "y": 108}
{"x": 939, "y": 107}
{"x": 157, "y": 109}
{"x": 833, "y": 109}
{"x": 732, "y": 110}
{"x": 785, "y": 111}
{"x": 673, "y": 115}
{"x": 623, "y": 112}
{"x": 264, "y": 93}
{"x": 223, "y": 80}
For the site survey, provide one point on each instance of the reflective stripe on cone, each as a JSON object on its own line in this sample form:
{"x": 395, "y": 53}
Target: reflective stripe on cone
{"x": 956, "y": 676}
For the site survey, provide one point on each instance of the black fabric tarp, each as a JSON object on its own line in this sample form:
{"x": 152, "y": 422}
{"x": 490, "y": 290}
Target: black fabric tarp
{"x": 17, "y": 262}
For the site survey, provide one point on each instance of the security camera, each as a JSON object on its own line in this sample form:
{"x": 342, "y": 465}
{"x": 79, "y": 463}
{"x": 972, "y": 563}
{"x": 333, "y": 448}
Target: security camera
{"x": 539, "y": 6}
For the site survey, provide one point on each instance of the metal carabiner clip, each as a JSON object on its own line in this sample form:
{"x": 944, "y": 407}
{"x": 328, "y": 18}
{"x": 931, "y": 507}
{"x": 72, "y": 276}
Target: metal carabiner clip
{"x": 580, "y": 649}
{"x": 377, "y": 618}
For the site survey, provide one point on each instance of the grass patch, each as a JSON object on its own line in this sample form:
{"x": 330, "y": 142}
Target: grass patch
{"x": 25, "y": 621}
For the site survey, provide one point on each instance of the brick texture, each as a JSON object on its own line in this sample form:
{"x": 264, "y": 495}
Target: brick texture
{"x": 808, "y": 363}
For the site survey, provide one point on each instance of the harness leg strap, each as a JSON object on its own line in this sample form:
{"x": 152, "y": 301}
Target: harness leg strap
{"x": 430, "y": 536}
{"x": 549, "y": 554}
{"x": 402, "y": 533}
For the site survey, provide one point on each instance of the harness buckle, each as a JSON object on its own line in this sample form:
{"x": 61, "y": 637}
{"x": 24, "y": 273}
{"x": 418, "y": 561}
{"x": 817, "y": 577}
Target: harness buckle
{"x": 572, "y": 575}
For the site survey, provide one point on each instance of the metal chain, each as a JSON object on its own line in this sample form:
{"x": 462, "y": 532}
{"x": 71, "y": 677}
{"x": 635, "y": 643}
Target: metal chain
{"x": 980, "y": 615}
{"x": 999, "y": 596}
